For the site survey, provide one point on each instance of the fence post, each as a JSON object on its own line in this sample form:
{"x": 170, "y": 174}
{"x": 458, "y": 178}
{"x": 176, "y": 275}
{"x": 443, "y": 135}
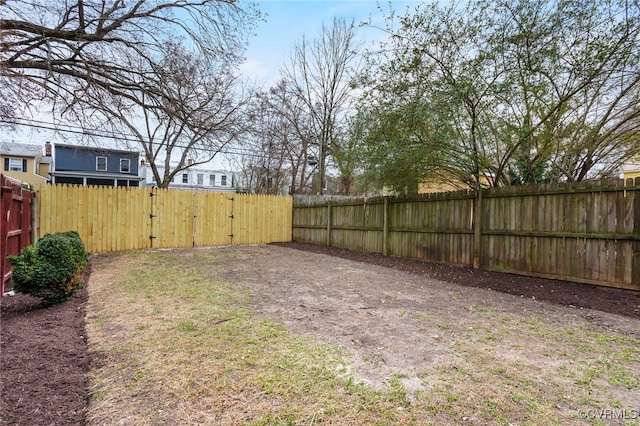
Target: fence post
{"x": 329, "y": 223}
{"x": 152, "y": 216}
{"x": 635, "y": 272}
{"x": 385, "y": 227}
{"x": 25, "y": 218}
{"x": 6, "y": 198}
{"x": 477, "y": 229}
{"x": 35, "y": 224}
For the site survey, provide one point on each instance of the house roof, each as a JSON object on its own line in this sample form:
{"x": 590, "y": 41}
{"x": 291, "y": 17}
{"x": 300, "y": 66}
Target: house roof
{"x": 19, "y": 150}
{"x": 203, "y": 167}
{"x": 95, "y": 148}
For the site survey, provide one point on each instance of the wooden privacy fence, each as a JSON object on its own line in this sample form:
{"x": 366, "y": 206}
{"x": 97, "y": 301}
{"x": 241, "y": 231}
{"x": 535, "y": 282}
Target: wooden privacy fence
{"x": 585, "y": 232}
{"x": 129, "y": 218}
{"x": 15, "y": 223}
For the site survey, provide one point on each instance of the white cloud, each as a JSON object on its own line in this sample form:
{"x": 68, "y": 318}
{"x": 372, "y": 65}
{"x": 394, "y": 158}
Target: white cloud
{"x": 254, "y": 70}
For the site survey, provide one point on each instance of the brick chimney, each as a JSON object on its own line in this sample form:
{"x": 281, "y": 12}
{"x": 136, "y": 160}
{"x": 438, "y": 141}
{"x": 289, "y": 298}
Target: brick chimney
{"x": 47, "y": 149}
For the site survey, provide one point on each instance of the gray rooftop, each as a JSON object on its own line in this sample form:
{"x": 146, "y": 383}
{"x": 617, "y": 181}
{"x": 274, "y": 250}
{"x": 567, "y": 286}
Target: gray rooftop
{"x": 19, "y": 149}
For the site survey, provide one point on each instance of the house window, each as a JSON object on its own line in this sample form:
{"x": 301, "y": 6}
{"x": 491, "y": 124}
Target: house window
{"x": 153, "y": 179}
{"x": 125, "y": 165}
{"x": 212, "y": 180}
{"x": 200, "y": 179}
{"x": 100, "y": 182}
{"x": 185, "y": 178}
{"x": 223, "y": 180}
{"x": 101, "y": 164}
{"x": 15, "y": 164}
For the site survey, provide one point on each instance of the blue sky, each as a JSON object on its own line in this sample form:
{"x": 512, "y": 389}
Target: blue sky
{"x": 286, "y": 21}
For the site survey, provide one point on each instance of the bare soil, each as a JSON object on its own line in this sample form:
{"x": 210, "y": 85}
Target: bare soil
{"x": 400, "y": 316}
{"x": 564, "y": 293}
{"x": 371, "y": 310}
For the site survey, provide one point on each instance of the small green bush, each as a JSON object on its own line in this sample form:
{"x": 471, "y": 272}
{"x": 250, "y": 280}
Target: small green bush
{"x": 52, "y": 268}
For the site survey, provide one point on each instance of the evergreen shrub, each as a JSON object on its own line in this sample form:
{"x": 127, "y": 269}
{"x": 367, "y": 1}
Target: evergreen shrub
{"x": 52, "y": 268}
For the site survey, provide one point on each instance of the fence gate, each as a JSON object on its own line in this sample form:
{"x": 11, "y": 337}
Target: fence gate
{"x": 180, "y": 218}
{"x": 15, "y": 223}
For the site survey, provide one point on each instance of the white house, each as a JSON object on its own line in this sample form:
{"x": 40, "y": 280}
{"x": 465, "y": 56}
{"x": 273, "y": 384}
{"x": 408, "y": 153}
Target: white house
{"x": 194, "y": 177}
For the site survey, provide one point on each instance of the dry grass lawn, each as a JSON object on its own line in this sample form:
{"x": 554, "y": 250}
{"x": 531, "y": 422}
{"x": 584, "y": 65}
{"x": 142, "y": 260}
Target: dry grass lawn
{"x": 172, "y": 343}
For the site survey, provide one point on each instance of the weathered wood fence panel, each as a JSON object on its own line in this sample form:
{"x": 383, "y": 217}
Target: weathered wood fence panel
{"x": 114, "y": 219}
{"x": 437, "y": 227}
{"x": 310, "y": 224}
{"x": 15, "y": 224}
{"x": 582, "y": 232}
{"x": 586, "y": 232}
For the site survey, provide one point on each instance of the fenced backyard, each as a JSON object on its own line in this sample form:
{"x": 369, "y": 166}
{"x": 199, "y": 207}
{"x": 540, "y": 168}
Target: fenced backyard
{"x": 263, "y": 334}
{"x": 585, "y": 232}
{"x": 128, "y": 218}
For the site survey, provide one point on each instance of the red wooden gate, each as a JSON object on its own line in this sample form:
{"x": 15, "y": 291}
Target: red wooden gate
{"x": 15, "y": 223}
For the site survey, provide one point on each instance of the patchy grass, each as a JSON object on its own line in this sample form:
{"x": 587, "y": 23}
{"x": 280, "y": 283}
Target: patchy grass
{"x": 172, "y": 344}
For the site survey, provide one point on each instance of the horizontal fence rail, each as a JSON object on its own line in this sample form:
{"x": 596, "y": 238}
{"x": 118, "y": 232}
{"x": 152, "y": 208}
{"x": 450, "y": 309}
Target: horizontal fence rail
{"x": 130, "y": 218}
{"x": 584, "y": 232}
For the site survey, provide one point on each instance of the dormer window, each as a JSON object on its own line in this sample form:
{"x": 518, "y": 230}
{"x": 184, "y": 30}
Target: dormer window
{"x": 125, "y": 165}
{"x": 101, "y": 164}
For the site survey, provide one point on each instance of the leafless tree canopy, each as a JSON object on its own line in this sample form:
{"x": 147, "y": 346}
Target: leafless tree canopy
{"x": 60, "y": 49}
{"x": 296, "y": 124}
{"x": 201, "y": 111}
{"x": 276, "y": 151}
{"x": 321, "y": 74}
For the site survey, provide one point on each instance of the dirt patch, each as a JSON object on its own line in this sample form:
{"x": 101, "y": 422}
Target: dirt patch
{"x": 621, "y": 302}
{"x": 402, "y": 323}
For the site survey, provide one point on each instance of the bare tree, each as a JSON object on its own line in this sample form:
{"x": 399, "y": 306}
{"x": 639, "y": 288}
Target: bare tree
{"x": 346, "y": 154}
{"x": 201, "y": 111}
{"x": 277, "y": 151}
{"x": 263, "y": 158}
{"x": 295, "y": 133}
{"x": 321, "y": 73}
{"x": 60, "y": 50}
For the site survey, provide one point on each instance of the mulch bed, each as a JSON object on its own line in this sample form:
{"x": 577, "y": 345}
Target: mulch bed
{"x": 44, "y": 361}
{"x": 45, "y": 356}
